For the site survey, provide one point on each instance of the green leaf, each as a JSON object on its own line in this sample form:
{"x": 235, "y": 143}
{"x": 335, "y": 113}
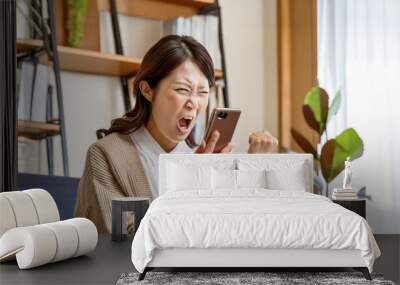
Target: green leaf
{"x": 348, "y": 144}
{"x": 326, "y": 158}
{"x": 335, "y": 105}
{"x": 324, "y": 108}
{"x": 304, "y": 143}
{"x": 312, "y": 100}
{"x": 310, "y": 118}
{"x": 335, "y": 152}
{"x": 318, "y": 101}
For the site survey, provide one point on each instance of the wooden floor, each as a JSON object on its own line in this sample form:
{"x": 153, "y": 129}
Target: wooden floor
{"x": 389, "y": 262}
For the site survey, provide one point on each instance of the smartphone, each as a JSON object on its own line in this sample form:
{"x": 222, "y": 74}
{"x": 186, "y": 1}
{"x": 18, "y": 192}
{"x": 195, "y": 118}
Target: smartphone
{"x": 224, "y": 120}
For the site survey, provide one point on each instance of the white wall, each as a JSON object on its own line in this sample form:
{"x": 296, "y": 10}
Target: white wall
{"x": 250, "y": 41}
{"x": 244, "y": 50}
{"x": 271, "y": 66}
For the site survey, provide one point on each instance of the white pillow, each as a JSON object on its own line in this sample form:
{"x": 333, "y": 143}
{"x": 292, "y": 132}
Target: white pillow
{"x": 188, "y": 177}
{"x": 293, "y": 179}
{"x": 236, "y": 179}
{"x": 281, "y": 173}
{"x": 251, "y": 178}
{"x": 224, "y": 179}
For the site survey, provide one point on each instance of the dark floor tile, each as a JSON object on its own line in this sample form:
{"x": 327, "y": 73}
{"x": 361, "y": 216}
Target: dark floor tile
{"x": 389, "y": 262}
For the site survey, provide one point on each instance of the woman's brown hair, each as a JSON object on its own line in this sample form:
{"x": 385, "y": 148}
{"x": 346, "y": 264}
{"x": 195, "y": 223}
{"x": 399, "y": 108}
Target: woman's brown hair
{"x": 160, "y": 60}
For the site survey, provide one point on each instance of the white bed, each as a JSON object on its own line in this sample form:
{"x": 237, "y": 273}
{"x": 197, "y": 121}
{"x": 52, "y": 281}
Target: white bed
{"x": 247, "y": 211}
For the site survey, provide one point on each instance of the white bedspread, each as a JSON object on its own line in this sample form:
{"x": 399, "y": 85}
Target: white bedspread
{"x": 250, "y": 218}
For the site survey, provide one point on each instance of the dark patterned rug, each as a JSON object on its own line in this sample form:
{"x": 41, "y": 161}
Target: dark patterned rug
{"x": 229, "y": 278}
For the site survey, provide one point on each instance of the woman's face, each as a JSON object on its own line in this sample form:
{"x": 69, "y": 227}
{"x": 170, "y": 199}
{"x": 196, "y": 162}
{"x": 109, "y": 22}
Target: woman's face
{"x": 176, "y": 104}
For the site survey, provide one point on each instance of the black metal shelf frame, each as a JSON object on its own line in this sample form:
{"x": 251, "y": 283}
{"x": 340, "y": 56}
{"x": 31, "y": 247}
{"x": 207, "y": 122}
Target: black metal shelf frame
{"x": 46, "y": 30}
{"x": 8, "y": 114}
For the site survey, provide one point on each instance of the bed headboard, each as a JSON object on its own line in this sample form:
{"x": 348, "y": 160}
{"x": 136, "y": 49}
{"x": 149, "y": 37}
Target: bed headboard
{"x": 280, "y": 163}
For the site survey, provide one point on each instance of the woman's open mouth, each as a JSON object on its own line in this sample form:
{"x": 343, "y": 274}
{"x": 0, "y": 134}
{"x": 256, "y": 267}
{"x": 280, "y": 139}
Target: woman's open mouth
{"x": 185, "y": 124}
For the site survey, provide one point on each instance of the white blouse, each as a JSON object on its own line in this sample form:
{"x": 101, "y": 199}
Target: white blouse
{"x": 149, "y": 150}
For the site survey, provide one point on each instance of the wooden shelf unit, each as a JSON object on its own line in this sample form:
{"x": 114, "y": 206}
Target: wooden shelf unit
{"x": 37, "y": 130}
{"x": 157, "y": 9}
{"x": 92, "y": 62}
{"x": 87, "y": 61}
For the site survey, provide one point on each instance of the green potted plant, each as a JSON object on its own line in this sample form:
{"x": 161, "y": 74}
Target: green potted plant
{"x": 332, "y": 155}
{"x": 76, "y": 10}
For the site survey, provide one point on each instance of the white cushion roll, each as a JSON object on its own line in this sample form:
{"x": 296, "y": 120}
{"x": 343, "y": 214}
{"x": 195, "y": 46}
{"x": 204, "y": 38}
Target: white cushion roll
{"x": 45, "y": 205}
{"x": 7, "y": 218}
{"x": 34, "y": 246}
{"x": 66, "y": 237}
{"x": 23, "y": 207}
{"x": 87, "y": 235}
{"x": 40, "y": 244}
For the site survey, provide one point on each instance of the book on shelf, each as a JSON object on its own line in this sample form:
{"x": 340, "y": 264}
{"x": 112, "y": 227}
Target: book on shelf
{"x": 346, "y": 194}
{"x": 339, "y": 190}
{"x": 344, "y": 198}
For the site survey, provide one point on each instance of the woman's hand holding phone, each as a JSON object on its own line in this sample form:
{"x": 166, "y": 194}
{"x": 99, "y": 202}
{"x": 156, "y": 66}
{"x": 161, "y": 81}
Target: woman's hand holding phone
{"x": 209, "y": 146}
{"x": 219, "y": 132}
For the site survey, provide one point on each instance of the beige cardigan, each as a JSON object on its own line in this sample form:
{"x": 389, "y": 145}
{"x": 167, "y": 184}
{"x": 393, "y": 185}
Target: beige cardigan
{"x": 112, "y": 169}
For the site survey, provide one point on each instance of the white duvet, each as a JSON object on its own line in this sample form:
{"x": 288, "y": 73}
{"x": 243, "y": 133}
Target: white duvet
{"x": 252, "y": 218}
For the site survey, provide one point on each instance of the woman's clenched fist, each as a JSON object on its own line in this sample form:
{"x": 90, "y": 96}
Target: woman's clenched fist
{"x": 262, "y": 142}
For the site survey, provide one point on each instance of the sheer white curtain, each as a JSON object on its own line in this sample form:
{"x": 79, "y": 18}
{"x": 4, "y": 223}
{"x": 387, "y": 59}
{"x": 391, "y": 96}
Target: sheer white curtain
{"x": 359, "y": 53}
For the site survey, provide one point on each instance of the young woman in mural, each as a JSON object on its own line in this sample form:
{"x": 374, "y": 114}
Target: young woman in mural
{"x": 171, "y": 88}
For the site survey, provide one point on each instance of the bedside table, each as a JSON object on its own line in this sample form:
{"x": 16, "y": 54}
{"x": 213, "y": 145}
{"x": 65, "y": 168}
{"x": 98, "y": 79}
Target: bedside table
{"x": 358, "y": 206}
